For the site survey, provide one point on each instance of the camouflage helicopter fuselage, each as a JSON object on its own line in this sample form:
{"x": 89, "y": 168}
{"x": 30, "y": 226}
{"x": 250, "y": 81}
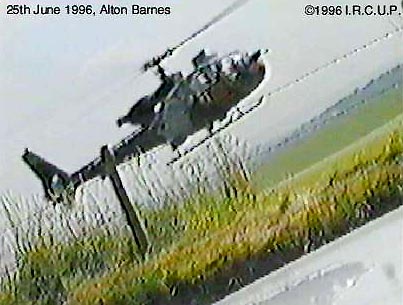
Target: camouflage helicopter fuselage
{"x": 184, "y": 105}
{"x": 180, "y": 107}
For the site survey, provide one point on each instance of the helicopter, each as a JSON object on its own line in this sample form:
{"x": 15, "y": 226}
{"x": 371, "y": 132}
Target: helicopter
{"x": 181, "y": 106}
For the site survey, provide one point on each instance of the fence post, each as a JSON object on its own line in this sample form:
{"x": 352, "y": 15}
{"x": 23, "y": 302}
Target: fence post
{"x": 133, "y": 221}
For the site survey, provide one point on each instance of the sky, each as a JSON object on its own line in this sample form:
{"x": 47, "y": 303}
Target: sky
{"x": 65, "y": 80}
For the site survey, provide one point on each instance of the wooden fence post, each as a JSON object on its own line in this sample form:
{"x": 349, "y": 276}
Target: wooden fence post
{"x": 133, "y": 221}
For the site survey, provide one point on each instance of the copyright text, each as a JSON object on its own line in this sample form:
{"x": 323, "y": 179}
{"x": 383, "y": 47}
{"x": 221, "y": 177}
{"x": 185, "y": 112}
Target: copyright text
{"x": 353, "y": 10}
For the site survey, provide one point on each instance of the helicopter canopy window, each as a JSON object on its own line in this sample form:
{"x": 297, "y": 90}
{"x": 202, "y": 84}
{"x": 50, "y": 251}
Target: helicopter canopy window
{"x": 228, "y": 67}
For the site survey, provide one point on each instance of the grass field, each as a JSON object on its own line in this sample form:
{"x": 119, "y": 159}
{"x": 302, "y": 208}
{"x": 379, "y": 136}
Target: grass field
{"x": 203, "y": 239}
{"x": 210, "y": 236}
{"x": 331, "y": 138}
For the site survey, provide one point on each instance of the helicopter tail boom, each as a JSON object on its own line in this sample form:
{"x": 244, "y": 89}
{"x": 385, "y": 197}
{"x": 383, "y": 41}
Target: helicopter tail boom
{"x": 54, "y": 180}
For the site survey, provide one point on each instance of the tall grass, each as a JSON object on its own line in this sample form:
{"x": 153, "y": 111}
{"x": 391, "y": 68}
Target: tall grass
{"x": 26, "y": 221}
{"x": 92, "y": 235}
{"x": 208, "y": 236}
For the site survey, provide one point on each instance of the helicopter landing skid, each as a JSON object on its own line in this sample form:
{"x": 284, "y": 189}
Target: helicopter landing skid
{"x": 212, "y": 134}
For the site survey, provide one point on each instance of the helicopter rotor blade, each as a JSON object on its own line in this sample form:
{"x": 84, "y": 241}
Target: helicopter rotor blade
{"x": 169, "y": 52}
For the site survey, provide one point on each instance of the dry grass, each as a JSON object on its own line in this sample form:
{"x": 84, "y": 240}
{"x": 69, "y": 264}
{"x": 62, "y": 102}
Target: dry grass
{"x": 206, "y": 236}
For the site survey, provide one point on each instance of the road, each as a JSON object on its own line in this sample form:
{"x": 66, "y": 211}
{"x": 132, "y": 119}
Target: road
{"x": 363, "y": 267}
